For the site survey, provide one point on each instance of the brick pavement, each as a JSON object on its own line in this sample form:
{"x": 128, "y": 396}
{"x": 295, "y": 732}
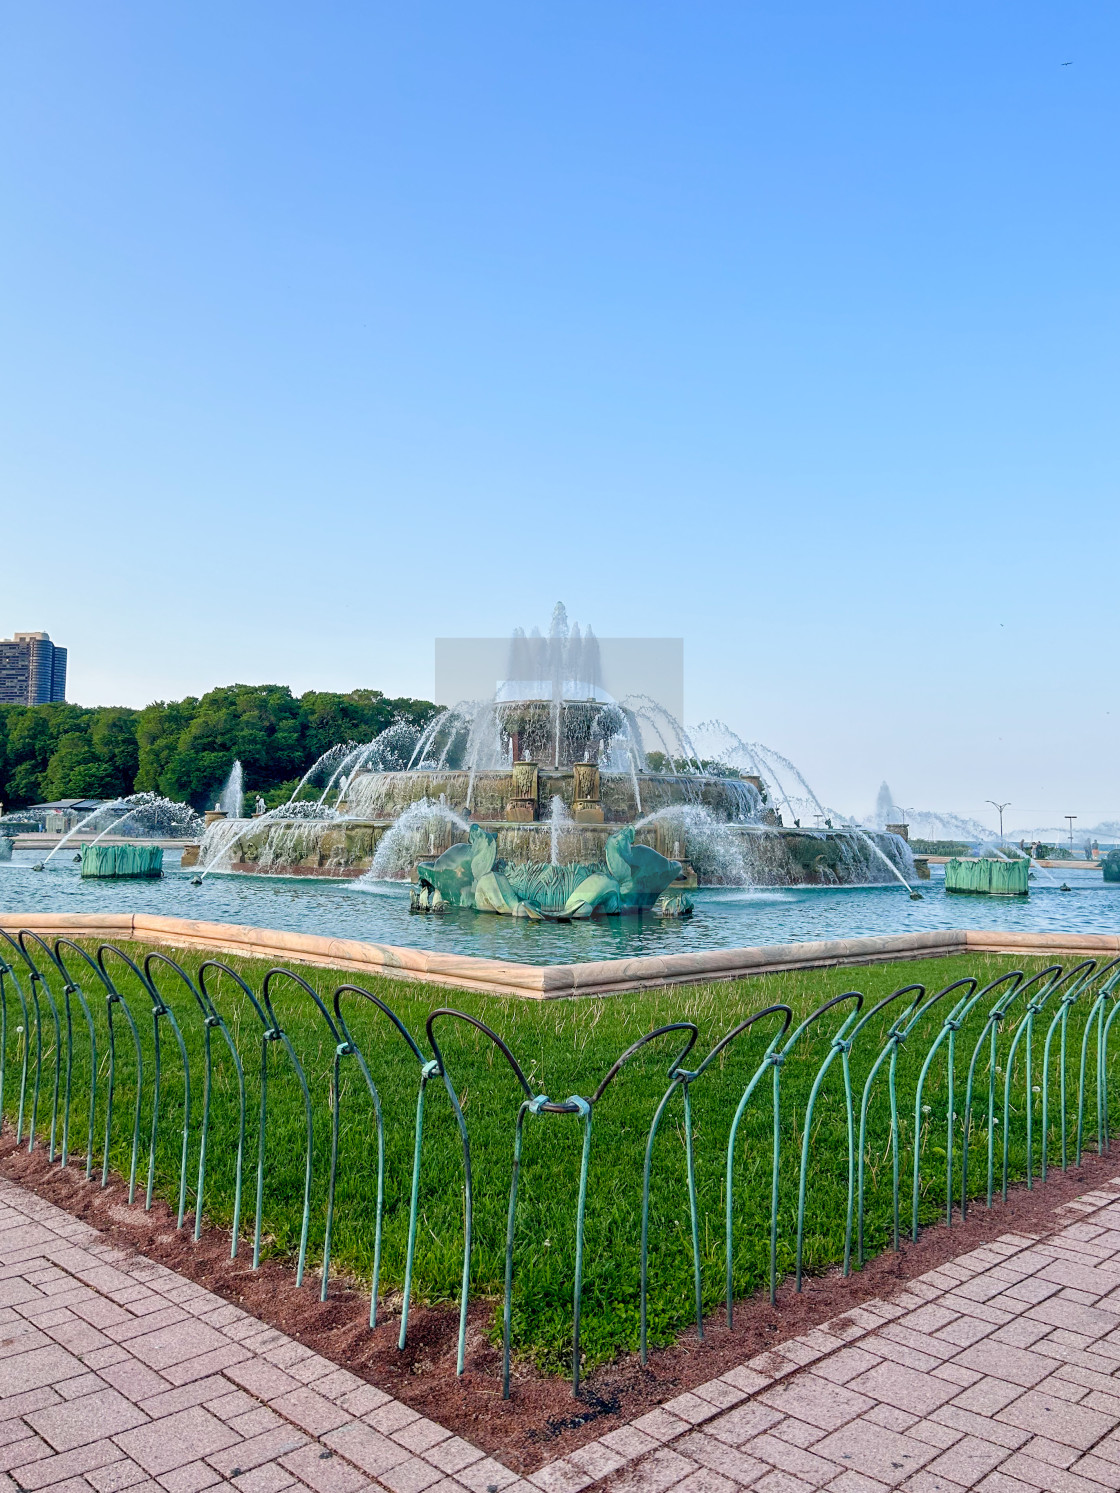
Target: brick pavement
{"x": 999, "y": 1371}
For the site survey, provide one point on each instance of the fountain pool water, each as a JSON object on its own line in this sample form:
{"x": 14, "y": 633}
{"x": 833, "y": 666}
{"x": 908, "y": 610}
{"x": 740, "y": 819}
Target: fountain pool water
{"x": 724, "y": 917}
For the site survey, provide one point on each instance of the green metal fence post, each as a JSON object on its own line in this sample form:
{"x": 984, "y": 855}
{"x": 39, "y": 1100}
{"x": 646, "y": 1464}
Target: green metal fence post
{"x": 402, "y": 1031}
{"x": 74, "y": 986}
{"x": 213, "y": 967}
{"x": 947, "y": 1032}
{"x": 428, "y": 1071}
{"x": 7, "y": 972}
{"x": 38, "y": 978}
{"x": 897, "y": 1033}
{"x": 838, "y": 1045}
{"x": 114, "y": 998}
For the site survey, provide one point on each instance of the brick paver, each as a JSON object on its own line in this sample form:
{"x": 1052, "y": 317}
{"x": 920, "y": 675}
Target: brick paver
{"x": 999, "y": 1371}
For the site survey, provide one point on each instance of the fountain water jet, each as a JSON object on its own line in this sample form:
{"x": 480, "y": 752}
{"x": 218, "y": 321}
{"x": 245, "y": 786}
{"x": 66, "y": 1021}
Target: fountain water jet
{"x": 558, "y": 819}
{"x": 232, "y": 796}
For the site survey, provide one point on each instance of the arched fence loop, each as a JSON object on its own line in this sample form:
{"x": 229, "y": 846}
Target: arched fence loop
{"x": 216, "y": 970}
{"x": 39, "y": 980}
{"x": 839, "y": 1046}
{"x": 10, "y": 977}
{"x": 35, "y": 981}
{"x": 446, "y": 1013}
{"x": 1096, "y": 1027}
{"x": 1097, "y": 1023}
{"x": 72, "y": 987}
{"x": 1080, "y": 978}
{"x": 899, "y": 1030}
{"x": 1102, "y": 1062}
{"x": 348, "y": 1047}
{"x": 113, "y": 1000}
{"x": 683, "y": 1078}
{"x": 161, "y": 1011}
{"x": 142, "y": 1024}
{"x": 1018, "y": 986}
{"x": 678, "y": 1075}
{"x": 1024, "y": 1033}
{"x": 274, "y": 1032}
{"x": 947, "y": 1037}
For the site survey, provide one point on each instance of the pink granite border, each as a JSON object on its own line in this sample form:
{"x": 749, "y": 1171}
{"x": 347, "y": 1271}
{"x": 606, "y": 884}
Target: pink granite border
{"x": 551, "y": 981}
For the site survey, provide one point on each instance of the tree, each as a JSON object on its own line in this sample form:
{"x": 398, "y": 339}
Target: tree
{"x": 158, "y": 729}
{"x": 73, "y": 771}
{"x": 112, "y": 736}
{"x": 34, "y": 733}
{"x": 359, "y": 716}
{"x": 256, "y": 724}
{"x": 184, "y": 749}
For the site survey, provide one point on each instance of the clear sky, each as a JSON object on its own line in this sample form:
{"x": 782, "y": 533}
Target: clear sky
{"x": 329, "y": 328}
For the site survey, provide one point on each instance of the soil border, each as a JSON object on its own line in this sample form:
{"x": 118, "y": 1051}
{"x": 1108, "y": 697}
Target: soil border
{"x": 541, "y": 1420}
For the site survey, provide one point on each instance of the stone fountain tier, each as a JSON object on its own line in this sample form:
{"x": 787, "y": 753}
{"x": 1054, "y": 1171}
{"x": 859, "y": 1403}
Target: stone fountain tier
{"x": 524, "y": 793}
{"x": 770, "y": 857}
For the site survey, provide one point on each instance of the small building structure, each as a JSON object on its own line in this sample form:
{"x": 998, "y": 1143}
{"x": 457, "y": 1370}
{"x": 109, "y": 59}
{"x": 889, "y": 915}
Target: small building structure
{"x": 61, "y": 815}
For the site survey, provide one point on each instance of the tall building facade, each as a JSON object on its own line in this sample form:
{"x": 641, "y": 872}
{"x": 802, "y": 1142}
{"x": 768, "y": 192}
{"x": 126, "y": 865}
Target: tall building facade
{"x": 32, "y": 670}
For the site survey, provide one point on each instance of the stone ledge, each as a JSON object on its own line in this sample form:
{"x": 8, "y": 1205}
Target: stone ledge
{"x": 550, "y": 981}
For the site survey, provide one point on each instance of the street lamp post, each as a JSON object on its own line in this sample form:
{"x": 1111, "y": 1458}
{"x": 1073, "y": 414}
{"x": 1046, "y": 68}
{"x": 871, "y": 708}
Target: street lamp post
{"x": 1071, "y": 818}
{"x": 999, "y": 808}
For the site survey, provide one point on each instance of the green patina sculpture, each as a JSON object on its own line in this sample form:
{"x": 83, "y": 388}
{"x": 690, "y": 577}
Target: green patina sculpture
{"x": 632, "y": 879}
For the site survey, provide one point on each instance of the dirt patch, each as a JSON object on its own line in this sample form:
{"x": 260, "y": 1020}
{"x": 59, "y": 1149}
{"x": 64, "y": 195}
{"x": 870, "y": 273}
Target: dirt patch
{"x": 541, "y": 1421}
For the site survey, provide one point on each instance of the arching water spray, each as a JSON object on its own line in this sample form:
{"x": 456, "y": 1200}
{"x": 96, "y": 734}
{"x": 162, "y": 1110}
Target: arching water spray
{"x": 715, "y": 850}
{"x": 424, "y": 829}
{"x": 220, "y": 838}
{"x": 885, "y": 858}
{"x": 165, "y": 816}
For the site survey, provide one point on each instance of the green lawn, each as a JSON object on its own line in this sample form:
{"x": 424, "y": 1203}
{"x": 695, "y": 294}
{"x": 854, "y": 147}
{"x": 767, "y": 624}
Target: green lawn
{"x": 564, "y": 1047}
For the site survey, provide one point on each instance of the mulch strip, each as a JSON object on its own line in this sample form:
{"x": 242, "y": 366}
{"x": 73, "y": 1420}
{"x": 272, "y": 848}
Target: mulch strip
{"x": 541, "y": 1420}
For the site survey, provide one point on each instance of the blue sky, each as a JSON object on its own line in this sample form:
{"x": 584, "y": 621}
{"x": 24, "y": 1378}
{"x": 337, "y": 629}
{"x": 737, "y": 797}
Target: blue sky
{"x": 792, "y": 330}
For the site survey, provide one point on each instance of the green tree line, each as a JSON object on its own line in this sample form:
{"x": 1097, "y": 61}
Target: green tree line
{"x": 184, "y": 749}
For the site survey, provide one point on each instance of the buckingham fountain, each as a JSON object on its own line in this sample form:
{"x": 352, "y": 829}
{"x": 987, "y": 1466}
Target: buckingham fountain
{"x": 552, "y": 798}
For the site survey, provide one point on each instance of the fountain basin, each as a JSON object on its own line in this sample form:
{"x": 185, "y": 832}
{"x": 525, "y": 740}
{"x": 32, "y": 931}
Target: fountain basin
{"x": 525, "y": 793}
{"x": 121, "y": 861}
{"x": 551, "y": 765}
{"x": 986, "y": 878}
{"x": 742, "y": 854}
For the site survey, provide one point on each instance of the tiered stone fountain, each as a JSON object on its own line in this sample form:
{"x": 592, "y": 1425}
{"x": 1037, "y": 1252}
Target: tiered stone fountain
{"x": 551, "y": 766}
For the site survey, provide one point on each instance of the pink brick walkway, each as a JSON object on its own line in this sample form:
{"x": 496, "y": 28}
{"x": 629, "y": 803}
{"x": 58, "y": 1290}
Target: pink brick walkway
{"x": 1000, "y": 1371}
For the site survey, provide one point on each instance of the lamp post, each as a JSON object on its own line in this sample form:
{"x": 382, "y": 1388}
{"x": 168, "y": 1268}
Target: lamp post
{"x": 999, "y": 808}
{"x": 1071, "y": 818}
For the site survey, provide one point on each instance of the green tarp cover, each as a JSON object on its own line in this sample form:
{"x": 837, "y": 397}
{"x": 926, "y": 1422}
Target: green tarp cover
{"x": 122, "y": 860}
{"x": 988, "y": 878}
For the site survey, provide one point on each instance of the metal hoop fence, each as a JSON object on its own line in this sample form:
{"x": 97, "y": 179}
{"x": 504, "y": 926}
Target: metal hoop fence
{"x": 1022, "y": 1065}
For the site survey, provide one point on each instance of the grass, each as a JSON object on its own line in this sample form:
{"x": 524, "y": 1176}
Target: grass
{"x": 564, "y": 1047}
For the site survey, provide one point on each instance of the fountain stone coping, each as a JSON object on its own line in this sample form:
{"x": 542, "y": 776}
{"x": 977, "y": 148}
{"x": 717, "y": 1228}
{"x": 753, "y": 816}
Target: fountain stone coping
{"x": 549, "y": 981}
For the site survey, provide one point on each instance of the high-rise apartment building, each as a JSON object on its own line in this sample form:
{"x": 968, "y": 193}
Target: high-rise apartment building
{"x": 32, "y": 670}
